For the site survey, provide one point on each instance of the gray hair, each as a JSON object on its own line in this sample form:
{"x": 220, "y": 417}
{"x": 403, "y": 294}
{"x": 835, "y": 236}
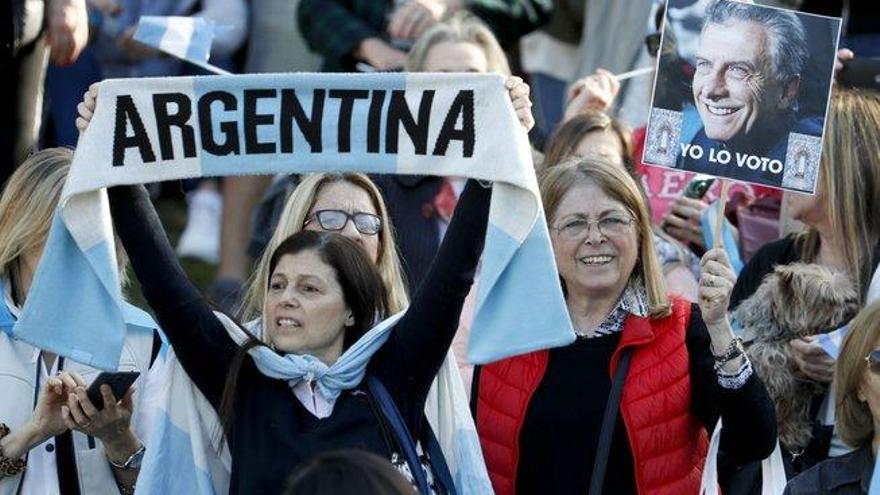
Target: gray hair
{"x": 788, "y": 40}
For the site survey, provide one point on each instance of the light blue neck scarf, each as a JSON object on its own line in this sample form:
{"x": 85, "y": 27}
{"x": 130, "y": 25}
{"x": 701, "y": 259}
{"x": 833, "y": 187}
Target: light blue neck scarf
{"x": 346, "y": 373}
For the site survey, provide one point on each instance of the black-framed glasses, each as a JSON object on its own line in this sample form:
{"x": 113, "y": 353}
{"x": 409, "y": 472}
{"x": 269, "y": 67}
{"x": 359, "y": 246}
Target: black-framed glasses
{"x": 873, "y": 360}
{"x": 652, "y": 43}
{"x": 335, "y": 220}
{"x": 609, "y": 226}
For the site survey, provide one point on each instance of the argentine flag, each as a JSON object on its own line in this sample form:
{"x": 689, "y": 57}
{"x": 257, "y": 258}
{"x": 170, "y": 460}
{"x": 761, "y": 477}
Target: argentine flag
{"x": 187, "y": 38}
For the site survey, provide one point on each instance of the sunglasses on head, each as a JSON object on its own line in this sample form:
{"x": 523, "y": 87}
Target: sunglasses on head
{"x": 873, "y": 360}
{"x": 335, "y": 220}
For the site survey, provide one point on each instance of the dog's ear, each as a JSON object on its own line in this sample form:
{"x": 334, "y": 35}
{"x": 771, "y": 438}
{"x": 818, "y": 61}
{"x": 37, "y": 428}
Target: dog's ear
{"x": 846, "y": 295}
{"x": 787, "y": 299}
{"x": 793, "y": 281}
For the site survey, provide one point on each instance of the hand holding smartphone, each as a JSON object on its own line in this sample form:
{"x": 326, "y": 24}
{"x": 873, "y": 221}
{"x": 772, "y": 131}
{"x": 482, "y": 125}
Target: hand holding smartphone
{"x": 119, "y": 383}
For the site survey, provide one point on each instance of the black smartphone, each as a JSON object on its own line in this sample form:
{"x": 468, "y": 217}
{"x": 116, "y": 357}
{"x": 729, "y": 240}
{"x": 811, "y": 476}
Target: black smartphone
{"x": 860, "y": 73}
{"x": 698, "y": 186}
{"x": 119, "y": 383}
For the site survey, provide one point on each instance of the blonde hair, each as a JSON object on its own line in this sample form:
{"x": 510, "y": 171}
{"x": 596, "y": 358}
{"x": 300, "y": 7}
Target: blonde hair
{"x": 850, "y": 182}
{"x": 462, "y": 27}
{"x": 855, "y": 423}
{"x": 27, "y": 208}
{"x": 556, "y": 181}
{"x": 296, "y": 209}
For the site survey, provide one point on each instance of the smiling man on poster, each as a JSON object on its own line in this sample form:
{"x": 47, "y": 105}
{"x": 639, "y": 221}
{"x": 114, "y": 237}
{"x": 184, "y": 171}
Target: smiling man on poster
{"x": 746, "y": 82}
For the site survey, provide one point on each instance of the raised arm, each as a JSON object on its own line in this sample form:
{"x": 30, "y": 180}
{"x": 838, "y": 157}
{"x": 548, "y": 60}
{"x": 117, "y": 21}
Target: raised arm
{"x": 421, "y": 339}
{"x": 749, "y": 432}
{"x": 731, "y": 389}
{"x": 198, "y": 338}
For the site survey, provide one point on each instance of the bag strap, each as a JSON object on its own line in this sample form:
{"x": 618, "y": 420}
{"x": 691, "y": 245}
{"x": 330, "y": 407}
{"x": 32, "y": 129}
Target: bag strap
{"x": 407, "y": 445}
{"x": 608, "y": 422}
{"x": 441, "y": 471}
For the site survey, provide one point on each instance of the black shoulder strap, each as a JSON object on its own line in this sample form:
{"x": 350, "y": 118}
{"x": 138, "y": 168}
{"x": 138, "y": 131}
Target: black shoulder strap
{"x": 405, "y": 440}
{"x": 608, "y": 421}
{"x": 157, "y": 346}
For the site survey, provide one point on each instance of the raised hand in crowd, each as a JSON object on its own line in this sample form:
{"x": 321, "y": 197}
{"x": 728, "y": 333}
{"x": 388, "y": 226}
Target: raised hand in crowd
{"x": 716, "y": 284}
{"x": 86, "y": 108}
{"x": 811, "y": 358}
{"x": 594, "y": 92}
{"x": 683, "y": 221}
{"x": 519, "y": 96}
{"x": 67, "y": 30}
{"x": 413, "y": 18}
{"x": 843, "y": 55}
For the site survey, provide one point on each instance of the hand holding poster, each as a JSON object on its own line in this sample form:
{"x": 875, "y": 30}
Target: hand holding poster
{"x": 148, "y": 130}
{"x": 746, "y": 96}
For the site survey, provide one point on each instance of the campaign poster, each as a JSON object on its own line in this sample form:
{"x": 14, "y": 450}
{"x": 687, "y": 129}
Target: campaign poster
{"x": 742, "y": 91}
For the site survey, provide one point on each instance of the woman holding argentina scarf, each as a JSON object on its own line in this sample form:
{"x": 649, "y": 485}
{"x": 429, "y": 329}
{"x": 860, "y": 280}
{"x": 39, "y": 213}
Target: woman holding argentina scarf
{"x": 280, "y": 403}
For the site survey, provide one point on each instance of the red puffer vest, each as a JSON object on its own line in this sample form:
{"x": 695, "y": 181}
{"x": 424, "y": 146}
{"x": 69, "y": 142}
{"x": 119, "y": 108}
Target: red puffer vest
{"x": 668, "y": 443}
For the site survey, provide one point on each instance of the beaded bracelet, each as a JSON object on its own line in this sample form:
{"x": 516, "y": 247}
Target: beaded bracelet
{"x": 9, "y": 467}
{"x": 734, "y": 350}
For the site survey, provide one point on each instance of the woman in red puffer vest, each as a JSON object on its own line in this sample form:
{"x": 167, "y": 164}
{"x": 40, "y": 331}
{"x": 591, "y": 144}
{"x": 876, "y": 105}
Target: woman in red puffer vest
{"x": 539, "y": 415}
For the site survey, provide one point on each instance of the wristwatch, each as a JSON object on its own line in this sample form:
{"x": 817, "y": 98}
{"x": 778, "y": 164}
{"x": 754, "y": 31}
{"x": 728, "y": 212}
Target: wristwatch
{"x": 133, "y": 461}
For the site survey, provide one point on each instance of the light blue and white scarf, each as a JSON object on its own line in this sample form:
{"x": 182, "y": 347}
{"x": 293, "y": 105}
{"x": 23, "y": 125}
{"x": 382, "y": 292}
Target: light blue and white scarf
{"x": 149, "y": 130}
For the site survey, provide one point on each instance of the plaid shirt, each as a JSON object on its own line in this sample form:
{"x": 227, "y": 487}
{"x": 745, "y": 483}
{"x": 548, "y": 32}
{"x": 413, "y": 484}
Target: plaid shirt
{"x": 335, "y": 28}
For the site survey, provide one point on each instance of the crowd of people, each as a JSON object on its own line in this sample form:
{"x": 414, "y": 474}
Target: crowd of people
{"x": 675, "y": 334}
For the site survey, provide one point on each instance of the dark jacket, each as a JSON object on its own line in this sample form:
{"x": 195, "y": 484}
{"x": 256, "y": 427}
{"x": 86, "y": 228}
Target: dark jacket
{"x": 335, "y": 28}
{"x": 771, "y": 145}
{"x": 848, "y": 474}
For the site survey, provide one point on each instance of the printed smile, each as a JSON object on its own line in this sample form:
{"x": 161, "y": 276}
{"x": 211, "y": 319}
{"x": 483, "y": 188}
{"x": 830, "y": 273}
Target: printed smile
{"x": 719, "y": 110}
{"x": 596, "y": 260}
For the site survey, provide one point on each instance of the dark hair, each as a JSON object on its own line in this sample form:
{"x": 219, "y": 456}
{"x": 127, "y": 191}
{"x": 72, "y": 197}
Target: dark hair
{"x": 348, "y": 472}
{"x": 362, "y": 286}
{"x": 566, "y": 138}
{"x": 362, "y": 290}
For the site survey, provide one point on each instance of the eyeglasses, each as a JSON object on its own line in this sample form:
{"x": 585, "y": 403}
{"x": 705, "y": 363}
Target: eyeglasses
{"x": 873, "y": 360}
{"x": 652, "y": 43}
{"x": 610, "y": 226}
{"x": 335, "y": 220}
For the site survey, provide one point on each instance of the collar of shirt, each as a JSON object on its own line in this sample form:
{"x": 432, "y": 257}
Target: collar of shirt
{"x": 312, "y": 399}
{"x": 633, "y": 301}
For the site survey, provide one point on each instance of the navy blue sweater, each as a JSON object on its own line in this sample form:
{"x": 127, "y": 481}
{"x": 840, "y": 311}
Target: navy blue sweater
{"x": 272, "y": 433}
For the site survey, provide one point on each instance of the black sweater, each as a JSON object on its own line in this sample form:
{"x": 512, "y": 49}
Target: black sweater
{"x": 272, "y": 433}
{"x": 560, "y": 432}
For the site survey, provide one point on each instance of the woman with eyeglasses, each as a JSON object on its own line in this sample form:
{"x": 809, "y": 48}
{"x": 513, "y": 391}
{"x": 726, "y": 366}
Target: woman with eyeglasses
{"x": 322, "y": 287}
{"x": 349, "y": 204}
{"x": 593, "y": 133}
{"x": 540, "y": 415}
{"x": 858, "y": 414}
